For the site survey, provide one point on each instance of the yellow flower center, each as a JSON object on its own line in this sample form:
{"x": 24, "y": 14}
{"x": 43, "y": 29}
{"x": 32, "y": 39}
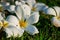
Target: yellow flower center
{"x": 58, "y": 18}
{"x": 4, "y": 24}
{"x": 33, "y": 9}
{"x": 23, "y": 23}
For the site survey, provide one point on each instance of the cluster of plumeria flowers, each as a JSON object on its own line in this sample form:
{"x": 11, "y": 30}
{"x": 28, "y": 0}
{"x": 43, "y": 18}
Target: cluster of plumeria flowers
{"x": 27, "y": 13}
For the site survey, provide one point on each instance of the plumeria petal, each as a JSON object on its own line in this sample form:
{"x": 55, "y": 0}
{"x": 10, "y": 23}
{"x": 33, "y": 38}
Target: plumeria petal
{"x": 40, "y": 6}
{"x": 57, "y": 10}
{"x": 26, "y": 10}
{"x": 21, "y": 31}
{"x": 50, "y": 11}
{"x": 8, "y": 32}
{"x": 33, "y": 18}
{"x": 31, "y": 29}
{"x": 55, "y": 21}
{"x": 19, "y": 11}
{"x": 12, "y": 20}
{"x": 14, "y": 31}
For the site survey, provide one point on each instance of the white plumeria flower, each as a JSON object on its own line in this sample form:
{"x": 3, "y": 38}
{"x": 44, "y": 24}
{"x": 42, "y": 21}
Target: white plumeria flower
{"x": 14, "y": 27}
{"x": 9, "y": 27}
{"x": 56, "y": 20}
{"x": 26, "y": 24}
{"x": 55, "y": 11}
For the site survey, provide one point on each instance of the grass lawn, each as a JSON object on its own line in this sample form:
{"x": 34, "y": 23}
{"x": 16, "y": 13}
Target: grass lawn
{"x": 47, "y": 31}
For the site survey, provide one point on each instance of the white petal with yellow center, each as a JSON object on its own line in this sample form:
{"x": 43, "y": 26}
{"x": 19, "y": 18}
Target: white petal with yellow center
{"x": 14, "y": 26}
{"x": 56, "y": 21}
{"x": 23, "y": 23}
{"x": 4, "y": 24}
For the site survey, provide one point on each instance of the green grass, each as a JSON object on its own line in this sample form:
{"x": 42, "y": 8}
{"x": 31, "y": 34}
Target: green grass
{"x": 47, "y": 31}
